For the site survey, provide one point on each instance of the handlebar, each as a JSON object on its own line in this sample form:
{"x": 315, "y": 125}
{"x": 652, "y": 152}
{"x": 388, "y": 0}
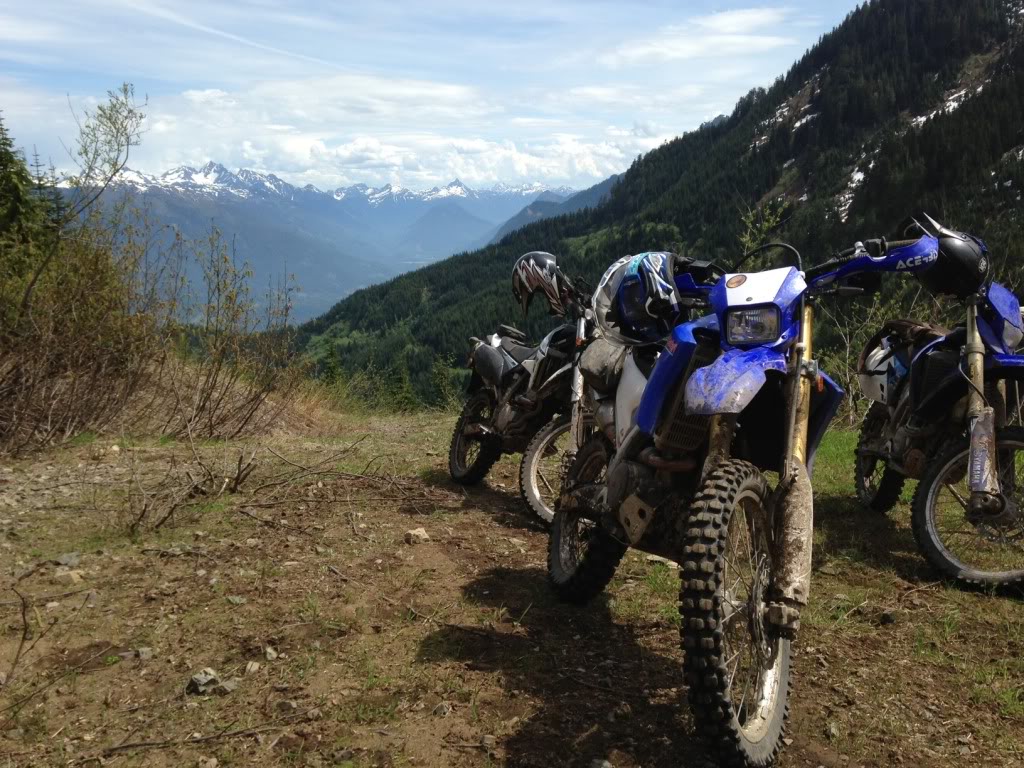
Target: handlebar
{"x": 875, "y": 249}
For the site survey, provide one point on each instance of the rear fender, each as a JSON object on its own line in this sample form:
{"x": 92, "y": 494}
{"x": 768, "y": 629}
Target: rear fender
{"x": 488, "y": 363}
{"x": 729, "y": 384}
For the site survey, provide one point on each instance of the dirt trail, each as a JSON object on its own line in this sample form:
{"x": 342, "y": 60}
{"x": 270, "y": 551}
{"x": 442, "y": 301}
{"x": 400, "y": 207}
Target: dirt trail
{"x": 452, "y": 652}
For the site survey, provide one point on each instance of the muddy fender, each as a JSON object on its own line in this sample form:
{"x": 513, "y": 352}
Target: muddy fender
{"x": 730, "y": 383}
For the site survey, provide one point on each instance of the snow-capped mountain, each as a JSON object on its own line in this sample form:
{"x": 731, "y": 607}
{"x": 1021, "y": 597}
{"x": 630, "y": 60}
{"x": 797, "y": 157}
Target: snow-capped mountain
{"x": 334, "y": 241}
{"x": 214, "y": 179}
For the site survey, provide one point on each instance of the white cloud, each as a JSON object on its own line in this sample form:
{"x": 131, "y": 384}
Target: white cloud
{"x": 409, "y": 93}
{"x": 743, "y": 21}
{"x": 27, "y": 30}
{"x": 341, "y": 129}
{"x": 678, "y": 43}
{"x": 620, "y": 96}
{"x": 731, "y": 34}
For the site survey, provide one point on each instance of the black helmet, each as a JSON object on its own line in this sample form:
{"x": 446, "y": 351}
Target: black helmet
{"x": 962, "y": 266}
{"x": 538, "y": 271}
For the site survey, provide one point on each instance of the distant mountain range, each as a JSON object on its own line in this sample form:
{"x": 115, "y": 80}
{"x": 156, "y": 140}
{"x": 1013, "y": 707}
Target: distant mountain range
{"x": 548, "y": 205}
{"x": 334, "y": 242}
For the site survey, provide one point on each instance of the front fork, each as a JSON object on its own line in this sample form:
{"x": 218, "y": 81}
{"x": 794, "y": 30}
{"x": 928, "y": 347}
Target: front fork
{"x": 983, "y": 476}
{"x": 793, "y": 501}
{"x": 577, "y": 420}
{"x": 794, "y": 504}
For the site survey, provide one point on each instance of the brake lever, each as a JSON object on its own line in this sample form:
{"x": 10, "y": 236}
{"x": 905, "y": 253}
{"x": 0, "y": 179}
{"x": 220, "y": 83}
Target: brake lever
{"x": 876, "y": 248}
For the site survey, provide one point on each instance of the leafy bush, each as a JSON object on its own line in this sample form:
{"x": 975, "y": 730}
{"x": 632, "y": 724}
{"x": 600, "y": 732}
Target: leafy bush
{"x": 98, "y": 324}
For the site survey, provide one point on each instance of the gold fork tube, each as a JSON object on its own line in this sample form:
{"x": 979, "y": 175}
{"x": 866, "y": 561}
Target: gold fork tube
{"x": 803, "y": 386}
{"x": 791, "y": 572}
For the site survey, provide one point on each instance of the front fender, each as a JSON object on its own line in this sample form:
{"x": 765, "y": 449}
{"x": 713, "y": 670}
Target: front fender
{"x": 1004, "y": 367}
{"x": 730, "y": 383}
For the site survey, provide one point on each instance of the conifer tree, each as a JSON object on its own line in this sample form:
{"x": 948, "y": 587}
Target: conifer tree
{"x": 16, "y": 202}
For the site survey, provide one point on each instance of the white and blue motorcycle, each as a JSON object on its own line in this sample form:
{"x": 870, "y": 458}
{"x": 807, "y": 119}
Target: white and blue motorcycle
{"x": 703, "y": 455}
{"x": 937, "y": 395}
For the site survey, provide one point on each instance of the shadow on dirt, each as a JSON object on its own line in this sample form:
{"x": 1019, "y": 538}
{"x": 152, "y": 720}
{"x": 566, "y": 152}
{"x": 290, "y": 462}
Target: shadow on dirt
{"x": 602, "y": 695}
{"x": 859, "y": 535}
{"x": 505, "y": 506}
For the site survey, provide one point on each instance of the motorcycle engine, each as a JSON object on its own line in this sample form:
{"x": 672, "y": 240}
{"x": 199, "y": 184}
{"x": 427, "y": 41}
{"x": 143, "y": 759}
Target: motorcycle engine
{"x": 506, "y": 413}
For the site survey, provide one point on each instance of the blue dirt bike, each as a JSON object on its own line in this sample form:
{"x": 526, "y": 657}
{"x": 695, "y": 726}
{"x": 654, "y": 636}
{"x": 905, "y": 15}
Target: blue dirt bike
{"x": 701, "y": 428}
{"x": 943, "y": 402}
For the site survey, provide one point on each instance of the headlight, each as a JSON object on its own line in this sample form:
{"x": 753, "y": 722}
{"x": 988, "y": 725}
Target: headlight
{"x": 752, "y": 326}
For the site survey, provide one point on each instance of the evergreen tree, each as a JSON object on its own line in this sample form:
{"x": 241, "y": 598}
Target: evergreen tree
{"x": 16, "y": 201}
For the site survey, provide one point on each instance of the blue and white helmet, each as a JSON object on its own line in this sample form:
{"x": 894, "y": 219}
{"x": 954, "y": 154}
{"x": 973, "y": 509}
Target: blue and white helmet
{"x": 636, "y": 301}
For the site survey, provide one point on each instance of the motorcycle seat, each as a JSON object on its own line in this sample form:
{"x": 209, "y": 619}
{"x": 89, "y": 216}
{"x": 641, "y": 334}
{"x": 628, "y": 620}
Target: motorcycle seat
{"x": 518, "y": 352}
{"x": 512, "y": 332}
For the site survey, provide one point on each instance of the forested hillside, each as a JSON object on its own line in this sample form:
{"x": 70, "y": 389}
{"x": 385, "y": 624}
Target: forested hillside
{"x": 908, "y": 105}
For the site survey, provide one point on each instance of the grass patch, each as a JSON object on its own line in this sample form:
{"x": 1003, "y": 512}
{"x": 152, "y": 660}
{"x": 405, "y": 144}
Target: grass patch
{"x": 649, "y": 594}
{"x": 83, "y": 438}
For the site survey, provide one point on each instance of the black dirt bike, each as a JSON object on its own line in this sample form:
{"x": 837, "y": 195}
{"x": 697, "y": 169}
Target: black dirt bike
{"x": 514, "y": 392}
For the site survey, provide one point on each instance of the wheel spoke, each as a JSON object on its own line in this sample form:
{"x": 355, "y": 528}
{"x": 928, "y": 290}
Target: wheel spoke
{"x": 992, "y": 547}
{"x": 746, "y": 583}
{"x": 957, "y": 496}
{"x": 749, "y": 678}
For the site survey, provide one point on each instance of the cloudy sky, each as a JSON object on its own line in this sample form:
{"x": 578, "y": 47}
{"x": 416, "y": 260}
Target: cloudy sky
{"x": 412, "y": 93}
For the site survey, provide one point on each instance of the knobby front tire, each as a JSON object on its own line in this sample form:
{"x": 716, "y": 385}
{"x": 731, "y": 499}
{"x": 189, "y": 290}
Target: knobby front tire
{"x": 985, "y": 553}
{"x": 737, "y": 673}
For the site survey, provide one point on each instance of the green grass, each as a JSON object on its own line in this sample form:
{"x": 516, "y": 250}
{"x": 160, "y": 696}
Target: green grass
{"x": 833, "y": 463}
{"x": 83, "y": 438}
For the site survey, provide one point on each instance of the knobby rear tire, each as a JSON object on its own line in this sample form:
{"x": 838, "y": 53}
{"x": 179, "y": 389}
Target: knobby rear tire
{"x": 529, "y": 467}
{"x": 884, "y": 497}
{"x": 479, "y": 402}
{"x": 574, "y": 576}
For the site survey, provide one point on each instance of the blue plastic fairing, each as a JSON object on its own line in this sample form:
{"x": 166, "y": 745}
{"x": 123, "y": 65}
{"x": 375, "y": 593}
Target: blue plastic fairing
{"x": 730, "y": 383}
{"x": 671, "y": 365}
{"x": 824, "y": 406}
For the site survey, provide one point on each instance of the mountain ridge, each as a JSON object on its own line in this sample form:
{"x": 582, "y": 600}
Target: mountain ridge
{"x": 215, "y": 177}
{"x": 335, "y": 241}
{"x": 832, "y": 145}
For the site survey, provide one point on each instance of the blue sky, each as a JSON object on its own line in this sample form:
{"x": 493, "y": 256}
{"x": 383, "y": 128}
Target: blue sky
{"x": 411, "y": 93}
